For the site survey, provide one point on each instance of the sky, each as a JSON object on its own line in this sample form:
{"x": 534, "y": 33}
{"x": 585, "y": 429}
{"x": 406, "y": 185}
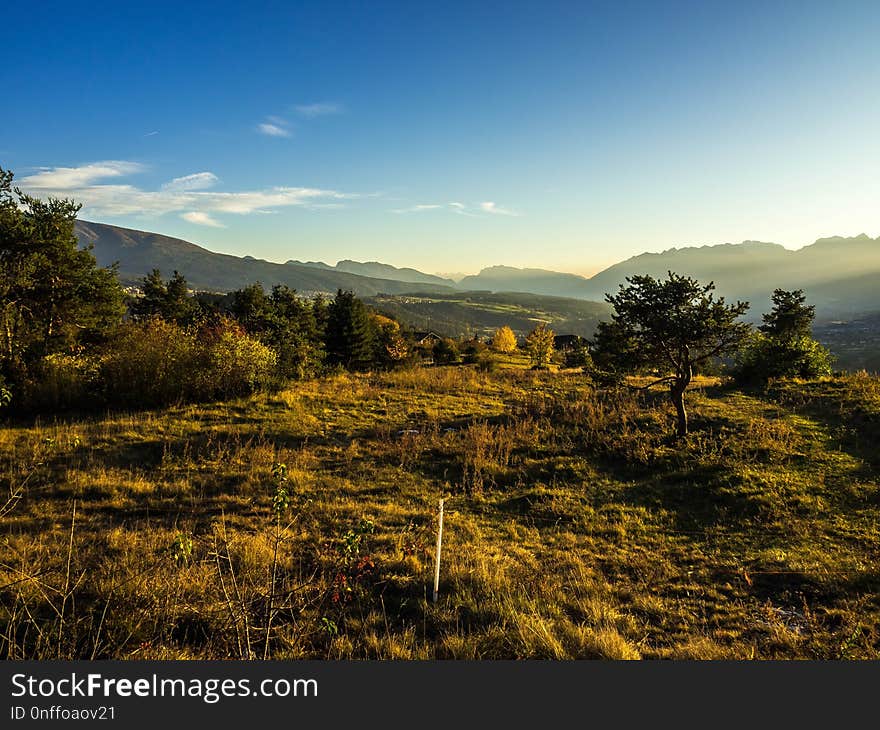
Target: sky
{"x": 450, "y": 136}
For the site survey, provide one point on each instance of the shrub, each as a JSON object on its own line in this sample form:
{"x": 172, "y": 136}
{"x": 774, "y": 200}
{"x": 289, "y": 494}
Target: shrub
{"x": 233, "y": 362}
{"x": 577, "y": 356}
{"x": 154, "y": 362}
{"x": 472, "y": 351}
{"x": 150, "y": 362}
{"x": 486, "y": 363}
{"x": 766, "y": 357}
{"x": 446, "y": 352}
{"x": 63, "y": 380}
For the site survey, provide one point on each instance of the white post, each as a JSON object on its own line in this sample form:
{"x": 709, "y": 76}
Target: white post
{"x": 437, "y": 559}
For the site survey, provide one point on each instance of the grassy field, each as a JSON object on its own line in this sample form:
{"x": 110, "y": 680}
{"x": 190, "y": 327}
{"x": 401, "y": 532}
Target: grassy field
{"x": 302, "y": 523}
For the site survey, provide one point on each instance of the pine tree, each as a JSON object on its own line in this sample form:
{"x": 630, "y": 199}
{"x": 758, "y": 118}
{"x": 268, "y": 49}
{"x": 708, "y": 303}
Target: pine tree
{"x": 351, "y": 334}
{"x": 53, "y": 295}
{"x": 674, "y": 325}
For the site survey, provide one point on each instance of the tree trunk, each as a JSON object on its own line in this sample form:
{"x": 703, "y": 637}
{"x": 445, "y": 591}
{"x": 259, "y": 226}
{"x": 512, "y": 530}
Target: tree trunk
{"x": 677, "y": 395}
{"x": 676, "y": 392}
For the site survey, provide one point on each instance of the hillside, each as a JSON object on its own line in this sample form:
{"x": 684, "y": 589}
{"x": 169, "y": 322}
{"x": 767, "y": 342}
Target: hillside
{"x": 138, "y": 252}
{"x": 576, "y": 528}
{"x": 481, "y": 313}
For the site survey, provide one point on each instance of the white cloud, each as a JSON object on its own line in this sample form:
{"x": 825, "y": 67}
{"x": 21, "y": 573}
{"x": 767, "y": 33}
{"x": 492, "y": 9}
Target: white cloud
{"x": 201, "y": 219}
{"x": 459, "y": 209}
{"x": 181, "y": 195}
{"x": 490, "y": 207}
{"x": 273, "y": 130}
{"x": 196, "y": 181}
{"x": 70, "y": 178}
{"x": 417, "y": 208}
{"x": 319, "y": 109}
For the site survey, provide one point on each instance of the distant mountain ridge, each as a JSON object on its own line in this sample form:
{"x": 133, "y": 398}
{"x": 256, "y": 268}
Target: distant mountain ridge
{"x": 139, "y": 252}
{"x": 377, "y": 270}
{"x": 840, "y": 275}
{"x": 533, "y": 281}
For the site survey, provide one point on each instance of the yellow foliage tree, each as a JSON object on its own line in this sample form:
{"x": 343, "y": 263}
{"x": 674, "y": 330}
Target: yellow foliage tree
{"x": 504, "y": 340}
{"x": 539, "y": 346}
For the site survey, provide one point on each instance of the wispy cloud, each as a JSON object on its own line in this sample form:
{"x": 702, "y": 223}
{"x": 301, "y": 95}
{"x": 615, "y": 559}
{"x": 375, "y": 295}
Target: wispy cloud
{"x": 196, "y": 181}
{"x": 200, "y": 218}
{"x": 70, "y": 178}
{"x": 490, "y": 207}
{"x": 185, "y": 195}
{"x": 319, "y": 109}
{"x": 151, "y": 134}
{"x": 417, "y": 208}
{"x": 480, "y": 210}
{"x": 273, "y": 129}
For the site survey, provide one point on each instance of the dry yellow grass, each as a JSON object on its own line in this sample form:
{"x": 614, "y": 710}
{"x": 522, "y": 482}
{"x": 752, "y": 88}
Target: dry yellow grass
{"x": 577, "y": 528}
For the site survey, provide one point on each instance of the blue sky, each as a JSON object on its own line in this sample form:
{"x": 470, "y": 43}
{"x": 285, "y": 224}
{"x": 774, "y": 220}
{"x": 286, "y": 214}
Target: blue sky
{"x": 451, "y": 136}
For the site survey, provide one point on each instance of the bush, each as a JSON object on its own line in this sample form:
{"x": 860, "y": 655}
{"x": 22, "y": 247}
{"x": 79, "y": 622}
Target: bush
{"x": 766, "y": 357}
{"x": 233, "y": 363}
{"x": 155, "y": 362}
{"x": 577, "y": 357}
{"x": 472, "y": 351}
{"x": 486, "y": 363}
{"x": 149, "y": 363}
{"x": 63, "y": 380}
{"x": 504, "y": 340}
{"x": 446, "y": 352}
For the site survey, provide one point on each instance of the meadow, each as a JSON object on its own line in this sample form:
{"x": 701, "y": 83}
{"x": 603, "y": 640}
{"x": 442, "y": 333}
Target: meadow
{"x": 301, "y": 523}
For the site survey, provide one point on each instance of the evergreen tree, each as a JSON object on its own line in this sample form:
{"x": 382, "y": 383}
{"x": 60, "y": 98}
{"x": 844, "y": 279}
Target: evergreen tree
{"x": 170, "y": 301}
{"x": 180, "y": 307}
{"x": 53, "y": 295}
{"x": 784, "y": 346}
{"x": 351, "y": 334}
{"x": 790, "y": 317}
{"x": 673, "y": 326}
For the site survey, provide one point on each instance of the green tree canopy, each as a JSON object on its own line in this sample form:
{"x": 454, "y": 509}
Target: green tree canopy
{"x": 790, "y": 317}
{"x": 539, "y": 346}
{"x": 784, "y": 346}
{"x": 170, "y": 301}
{"x": 350, "y": 333}
{"x": 672, "y": 326}
{"x": 53, "y": 295}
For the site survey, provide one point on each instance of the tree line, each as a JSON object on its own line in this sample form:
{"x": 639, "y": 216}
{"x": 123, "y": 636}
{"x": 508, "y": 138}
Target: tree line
{"x": 70, "y": 335}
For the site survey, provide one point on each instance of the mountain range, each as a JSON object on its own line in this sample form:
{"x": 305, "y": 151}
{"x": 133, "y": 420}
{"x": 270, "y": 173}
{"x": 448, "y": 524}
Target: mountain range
{"x": 139, "y": 252}
{"x": 841, "y": 276}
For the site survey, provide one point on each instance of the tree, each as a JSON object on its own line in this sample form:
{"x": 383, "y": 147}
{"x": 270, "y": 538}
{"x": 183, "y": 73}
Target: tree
{"x": 53, "y": 295}
{"x": 790, "y": 316}
{"x": 445, "y": 352}
{"x": 170, "y": 301}
{"x": 539, "y": 346}
{"x": 504, "y": 340}
{"x": 392, "y": 348}
{"x": 784, "y": 346}
{"x": 351, "y": 333}
{"x": 674, "y": 325}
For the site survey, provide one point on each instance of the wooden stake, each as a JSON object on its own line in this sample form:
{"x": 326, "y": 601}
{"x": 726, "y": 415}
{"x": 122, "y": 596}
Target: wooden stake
{"x": 437, "y": 559}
